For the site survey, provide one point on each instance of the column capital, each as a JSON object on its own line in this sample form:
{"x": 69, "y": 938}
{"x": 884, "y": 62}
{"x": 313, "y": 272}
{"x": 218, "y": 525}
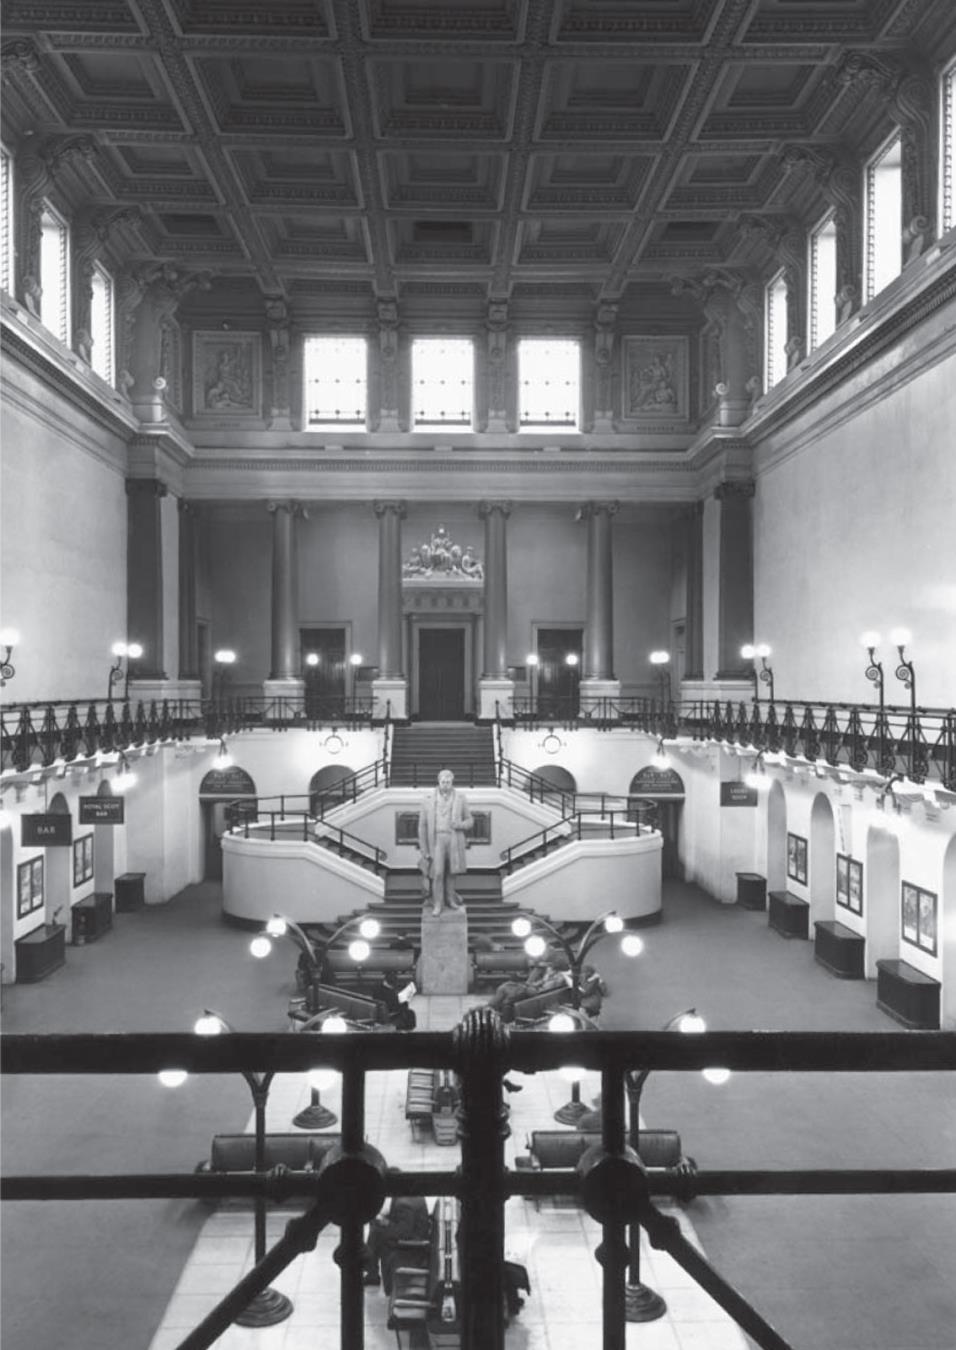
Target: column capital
{"x": 293, "y": 508}
{"x": 486, "y": 509}
{"x": 735, "y": 490}
{"x": 587, "y": 509}
{"x": 145, "y": 487}
{"x": 383, "y": 508}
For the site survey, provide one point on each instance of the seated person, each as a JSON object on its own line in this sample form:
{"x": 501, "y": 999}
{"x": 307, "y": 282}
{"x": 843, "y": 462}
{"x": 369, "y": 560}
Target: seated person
{"x": 407, "y": 1219}
{"x": 593, "y": 991}
{"x": 399, "y": 1014}
{"x": 542, "y": 977}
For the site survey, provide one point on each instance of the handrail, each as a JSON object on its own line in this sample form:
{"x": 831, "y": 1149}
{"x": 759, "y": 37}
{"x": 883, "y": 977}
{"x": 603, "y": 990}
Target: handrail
{"x": 513, "y": 855}
{"x": 311, "y": 831}
{"x": 348, "y": 789}
{"x": 348, "y": 1190}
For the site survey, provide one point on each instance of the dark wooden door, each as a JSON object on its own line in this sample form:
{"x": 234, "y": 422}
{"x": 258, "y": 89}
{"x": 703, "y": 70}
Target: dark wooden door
{"x": 558, "y": 681}
{"x": 325, "y": 684}
{"x": 441, "y": 674}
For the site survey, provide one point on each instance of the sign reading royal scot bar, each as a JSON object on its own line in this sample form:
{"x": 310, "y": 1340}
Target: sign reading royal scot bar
{"x": 102, "y": 811}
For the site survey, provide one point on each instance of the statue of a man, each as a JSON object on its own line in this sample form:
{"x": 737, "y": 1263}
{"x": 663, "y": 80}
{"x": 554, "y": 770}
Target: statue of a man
{"x": 442, "y": 823}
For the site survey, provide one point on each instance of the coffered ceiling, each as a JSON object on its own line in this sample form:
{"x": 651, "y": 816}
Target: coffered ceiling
{"x": 567, "y": 151}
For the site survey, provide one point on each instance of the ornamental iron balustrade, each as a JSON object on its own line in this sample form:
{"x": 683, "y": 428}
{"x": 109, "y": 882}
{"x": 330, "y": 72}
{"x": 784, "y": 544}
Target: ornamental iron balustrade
{"x": 353, "y": 1181}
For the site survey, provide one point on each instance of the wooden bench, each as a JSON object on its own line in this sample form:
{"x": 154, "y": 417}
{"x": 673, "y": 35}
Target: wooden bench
{"x": 420, "y": 1098}
{"x": 380, "y": 962}
{"x": 839, "y": 949}
{"x": 353, "y": 1007}
{"x": 427, "y": 1298}
{"x": 536, "y": 1006}
{"x": 493, "y": 967}
{"x": 658, "y": 1150}
{"x": 299, "y": 1152}
{"x": 910, "y": 997}
{"x": 788, "y": 915}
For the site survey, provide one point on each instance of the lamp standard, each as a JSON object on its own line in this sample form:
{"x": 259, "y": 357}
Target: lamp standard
{"x": 749, "y": 652}
{"x": 535, "y": 946}
{"x": 9, "y": 638}
{"x": 874, "y": 673}
{"x": 316, "y": 1116}
{"x": 312, "y": 955}
{"x": 642, "y": 1303}
{"x": 270, "y": 1306}
{"x": 128, "y": 651}
{"x": 532, "y": 661}
{"x": 906, "y": 674}
{"x": 661, "y": 660}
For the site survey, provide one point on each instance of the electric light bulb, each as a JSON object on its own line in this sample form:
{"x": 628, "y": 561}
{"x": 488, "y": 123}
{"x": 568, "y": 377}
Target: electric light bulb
{"x": 748, "y": 651}
{"x": 571, "y": 1073}
{"x": 9, "y": 637}
{"x": 134, "y": 651}
{"x": 359, "y": 950}
{"x": 335, "y": 1026}
{"x": 321, "y": 1079}
{"x": 870, "y": 639}
{"x": 613, "y": 924}
{"x": 532, "y": 659}
{"x": 312, "y": 659}
{"x": 535, "y": 945}
{"x": 118, "y": 649}
{"x": 276, "y": 926}
{"x": 561, "y": 1022}
{"x": 260, "y": 946}
{"x": 900, "y": 637}
{"x": 691, "y": 1024}
{"x": 370, "y": 928}
{"x": 632, "y": 945}
{"x": 521, "y": 927}
{"x": 208, "y": 1025}
{"x": 763, "y": 650}
{"x": 716, "y": 1076}
{"x": 659, "y": 658}
{"x": 172, "y": 1078}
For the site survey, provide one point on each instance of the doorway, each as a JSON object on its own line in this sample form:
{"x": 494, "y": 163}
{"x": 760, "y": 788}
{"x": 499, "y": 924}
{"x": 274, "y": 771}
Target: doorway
{"x": 323, "y": 663}
{"x": 441, "y": 674}
{"x": 559, "y": 671}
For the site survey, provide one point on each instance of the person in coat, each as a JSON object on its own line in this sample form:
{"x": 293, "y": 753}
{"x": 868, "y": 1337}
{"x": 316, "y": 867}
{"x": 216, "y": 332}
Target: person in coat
{"x": 442, "y": 823}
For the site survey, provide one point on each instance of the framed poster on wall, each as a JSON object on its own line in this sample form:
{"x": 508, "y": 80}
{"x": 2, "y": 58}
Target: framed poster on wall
{"x": 919, "y": 917}
{"x": 29, "y": 886}
{"x": 82, "y": 859}
{"x": 856, "y": 886}
{"x": 849, "y": 883}
{"x": 797, "y": 858}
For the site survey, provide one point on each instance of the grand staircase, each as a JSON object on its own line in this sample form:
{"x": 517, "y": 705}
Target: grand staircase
{"x": 421, "y": 751}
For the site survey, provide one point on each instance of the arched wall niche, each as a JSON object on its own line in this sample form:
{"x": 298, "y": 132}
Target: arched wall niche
{"x": 325, "y": 780}
{"x": 822, "y": 864}
{"x": 881, "y": 897}
{"x": 556, "y": 777}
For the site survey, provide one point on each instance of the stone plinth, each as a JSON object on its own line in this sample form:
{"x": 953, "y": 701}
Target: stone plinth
{"x": 444, "y": 961}
{"x": 390, "y": 696}
{"x": 594, "y": 695}
{"x": 495, "y": 698}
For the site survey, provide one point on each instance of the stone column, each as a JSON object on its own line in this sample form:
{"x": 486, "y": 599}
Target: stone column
{"x": 598, "y": 680}
{"x": 838, "y": 179}
{"x": 285, "y": 680}
{"x": 144, "y": 584}
{"x": 189, "y": 672}
{"x": 390, "y": 687}
{"x": 495, "y": 689}
{"x": 694, "y": 554}
{"x": 728, "y": 573}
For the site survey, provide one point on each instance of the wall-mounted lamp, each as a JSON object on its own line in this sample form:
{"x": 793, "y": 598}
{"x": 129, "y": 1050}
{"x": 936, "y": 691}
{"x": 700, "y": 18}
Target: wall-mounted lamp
{"x": 532, "y": 662}
{"x": 222, "y": 659}
{"x": 660, "y": 760}
{"x": 918, "y": 765}
{"x": 223, "y": 758}
{"x": 572, "y": 659}
{"x": 130, "y": 651}
{"x": 881, "y": 731}
{"x": 661, "y": 660}
{"x": 756, "y": 776}
{"x": 750, "y": 652}
{"x": 552, "y": 742}
{"x": 9, "y": 638}
{"x": 888, "y": 793}
{"x": 312, "y": 659}
{"x": 125, "y": 778}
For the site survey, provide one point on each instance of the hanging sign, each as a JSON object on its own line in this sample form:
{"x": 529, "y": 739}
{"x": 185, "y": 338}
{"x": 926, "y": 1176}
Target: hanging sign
{"x": 52, "y": 830}
{"x": 654, "y": 782}
{"x": 735, "y": 793}
{"x": 102, "y": 811}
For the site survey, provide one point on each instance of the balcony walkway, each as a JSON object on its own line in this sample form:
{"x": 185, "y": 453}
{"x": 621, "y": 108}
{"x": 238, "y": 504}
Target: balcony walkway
{"x": 555, "y": 1242}
{"x": 831, "y": 1273}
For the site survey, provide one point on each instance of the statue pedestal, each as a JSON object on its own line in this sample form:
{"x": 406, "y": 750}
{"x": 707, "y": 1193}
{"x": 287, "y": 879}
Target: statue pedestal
{"x": 495, "y": 699}
{"x": 390, "y": 696}
{"x": 443, "y": 967}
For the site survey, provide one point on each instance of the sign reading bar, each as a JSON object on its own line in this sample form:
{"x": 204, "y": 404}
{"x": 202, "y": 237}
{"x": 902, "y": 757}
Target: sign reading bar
{"x": 735, "y": 793}
{"x": 102, "y": 811}
{"x": 47, "y": 831}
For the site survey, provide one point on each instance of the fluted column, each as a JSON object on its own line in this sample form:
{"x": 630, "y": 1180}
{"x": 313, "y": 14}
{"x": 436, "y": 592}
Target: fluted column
{"x": 390, "y": 687}
{"x": 694, "y": 669}
{"x": 284, "y": 689}
{"x": 495, "y": 689}
{"x": 598, "y": 680}
{"x": 188, "y": 577}
{"x": 144, "y": 575}
{"x": 735, "y": 596}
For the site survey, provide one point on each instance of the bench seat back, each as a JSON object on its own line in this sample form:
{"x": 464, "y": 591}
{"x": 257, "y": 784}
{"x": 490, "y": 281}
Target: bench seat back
{"x": 237, "y": 1152}
{"x": 563, "y": 1148}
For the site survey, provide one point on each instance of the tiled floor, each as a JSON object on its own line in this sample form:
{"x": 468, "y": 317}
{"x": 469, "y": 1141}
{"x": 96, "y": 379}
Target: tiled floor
{"x": 555, "y": 1241}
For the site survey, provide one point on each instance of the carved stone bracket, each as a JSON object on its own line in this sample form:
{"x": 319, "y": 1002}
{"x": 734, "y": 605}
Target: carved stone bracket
{"x": 38, "y": 167}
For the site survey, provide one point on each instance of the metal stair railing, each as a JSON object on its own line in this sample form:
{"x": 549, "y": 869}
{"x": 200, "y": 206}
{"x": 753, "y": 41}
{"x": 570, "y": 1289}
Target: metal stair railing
{"x": 250, "y": 820}
{"x": 563, "y": 831}
{"x": 351, "y": 1186}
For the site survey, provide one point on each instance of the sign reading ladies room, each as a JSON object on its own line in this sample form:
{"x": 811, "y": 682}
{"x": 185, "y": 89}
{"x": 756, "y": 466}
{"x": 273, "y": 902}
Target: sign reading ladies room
{"x": 52, "y": 830}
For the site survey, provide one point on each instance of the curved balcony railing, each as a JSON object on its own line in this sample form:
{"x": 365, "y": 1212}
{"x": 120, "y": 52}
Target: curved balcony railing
{"x": 349, "y": 1188}
{"x": 619, "y": 823}
{"x": 251, "y": 818}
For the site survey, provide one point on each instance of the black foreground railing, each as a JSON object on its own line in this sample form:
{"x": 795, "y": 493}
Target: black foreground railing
{"x": 353, "y": 1182}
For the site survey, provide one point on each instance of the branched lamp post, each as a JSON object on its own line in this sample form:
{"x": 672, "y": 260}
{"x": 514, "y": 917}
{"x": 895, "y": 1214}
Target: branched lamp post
{"x": 642, "y": 1303}
{"x": 128, "y": 651}
{"x": 270, "y": 1306}
{"x": 317, "y": 1116}
{"x": 750, "y": 652}
{"x": 536, "y": 945}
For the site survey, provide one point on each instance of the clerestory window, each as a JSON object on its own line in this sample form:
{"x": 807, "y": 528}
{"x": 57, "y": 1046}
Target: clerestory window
{"x": 882, "y": 218}
{"x": 549, "y": 384}
{"x": 335, "y": 382}
{"x": 443, "y": 383}
{"x": 101, "y": 324}
{"x": 823, "y": 281}
{"x": 775, "y": 330}
{"x": 55, "y": 273}
{"x": 947, "y": 214}
{"x": 6, "y": 221}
